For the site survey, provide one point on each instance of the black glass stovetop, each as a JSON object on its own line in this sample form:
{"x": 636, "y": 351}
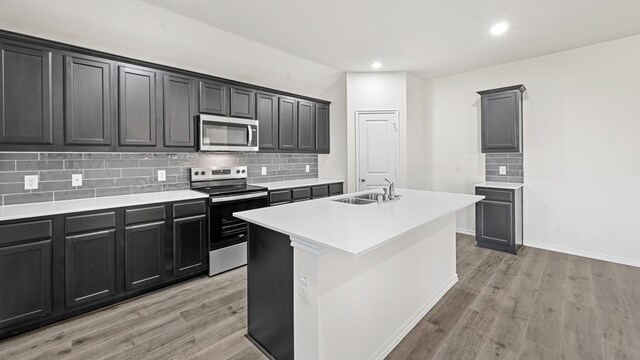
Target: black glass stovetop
{"x": 231, "y": 189}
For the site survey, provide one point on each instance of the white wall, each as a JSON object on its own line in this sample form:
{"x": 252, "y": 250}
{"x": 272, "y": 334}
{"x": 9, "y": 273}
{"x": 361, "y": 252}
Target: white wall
{"x": 376, "y": 91}
{"x": 334, "y": 164}
{"x": 143, "y": 31}
{"x": 416, "y": 128}
{"x": 581, "y": 145}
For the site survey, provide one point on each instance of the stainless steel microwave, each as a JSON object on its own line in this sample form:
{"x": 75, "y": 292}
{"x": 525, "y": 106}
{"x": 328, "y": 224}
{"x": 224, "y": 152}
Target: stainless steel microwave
{"x": 221, "y": 133}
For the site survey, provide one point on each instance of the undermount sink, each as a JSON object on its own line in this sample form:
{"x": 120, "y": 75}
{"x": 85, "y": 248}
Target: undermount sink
{"x": 362, "y": 199}
{"x": 373, "y": 196}
{"x": 355, "y": 201}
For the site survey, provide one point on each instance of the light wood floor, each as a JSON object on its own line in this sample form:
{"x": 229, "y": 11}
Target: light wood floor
{"x": 537, "y": 305}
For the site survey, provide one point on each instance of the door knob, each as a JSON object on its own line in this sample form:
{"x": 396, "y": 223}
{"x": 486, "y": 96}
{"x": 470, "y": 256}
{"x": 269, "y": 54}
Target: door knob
{"x": 363, "y": 180}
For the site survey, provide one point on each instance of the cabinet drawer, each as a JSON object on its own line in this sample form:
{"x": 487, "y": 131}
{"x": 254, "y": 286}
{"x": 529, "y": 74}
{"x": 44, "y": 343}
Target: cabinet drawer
{"x": 25, "y": 231}
{"x": 279, "y": 196}
{"x": 320, "y": 191}
{"x": 84, "y": 223}
{"x": 300, "y": 194}
{"x": 188, "y": 209}
{"x": 149, "y": 214}
{"x": 335, "y": 189}
{"x": 495, "y": 194}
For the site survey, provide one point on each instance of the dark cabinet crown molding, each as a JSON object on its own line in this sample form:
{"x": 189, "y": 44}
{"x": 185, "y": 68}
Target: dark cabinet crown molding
{"x": 62, "y": 47}
{"x": 519, "y": 87}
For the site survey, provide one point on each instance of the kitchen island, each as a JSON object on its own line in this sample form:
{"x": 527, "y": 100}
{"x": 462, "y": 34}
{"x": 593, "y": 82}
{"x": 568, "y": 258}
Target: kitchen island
{"x": 333, "y": 280}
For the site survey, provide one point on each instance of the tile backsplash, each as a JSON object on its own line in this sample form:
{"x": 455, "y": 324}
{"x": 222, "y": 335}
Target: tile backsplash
{"x": 513, "y": 162}
{"x": 108, "y": 174}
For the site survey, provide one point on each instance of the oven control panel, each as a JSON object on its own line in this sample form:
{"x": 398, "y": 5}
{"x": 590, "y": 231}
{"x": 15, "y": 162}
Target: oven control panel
{"x": 218, "y": 173}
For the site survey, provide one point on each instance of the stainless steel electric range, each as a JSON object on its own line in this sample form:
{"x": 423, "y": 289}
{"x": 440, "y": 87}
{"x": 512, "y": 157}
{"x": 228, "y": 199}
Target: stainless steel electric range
{"x": 228, "y": 193}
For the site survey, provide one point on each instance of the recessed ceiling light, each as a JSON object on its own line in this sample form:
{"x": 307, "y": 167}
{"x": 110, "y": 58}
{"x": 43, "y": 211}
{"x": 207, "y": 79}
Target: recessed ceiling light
{"x": 499, "y": 28}
{"x": 376, "y": 65}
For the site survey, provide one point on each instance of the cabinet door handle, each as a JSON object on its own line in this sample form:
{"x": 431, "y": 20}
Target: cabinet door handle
{"x": 363, "y": 180}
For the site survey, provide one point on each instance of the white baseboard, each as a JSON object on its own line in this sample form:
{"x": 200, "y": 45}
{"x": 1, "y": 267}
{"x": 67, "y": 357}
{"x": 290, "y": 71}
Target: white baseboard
{"x": 466, "y": 232}
{"x": 586, "y": 254}
{"x": 389, "y": 345}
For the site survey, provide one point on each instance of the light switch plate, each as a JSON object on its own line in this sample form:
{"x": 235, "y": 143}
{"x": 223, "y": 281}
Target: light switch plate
{"x": 31, "y": 182}
{"x": 76, "y": 179}
{"x": 306, "y": 168}
{"x": 162, "y": 175}
{"x": 502, "y": 170}
{"x": 458, "y": 165}
{"x": 264, "y": 170}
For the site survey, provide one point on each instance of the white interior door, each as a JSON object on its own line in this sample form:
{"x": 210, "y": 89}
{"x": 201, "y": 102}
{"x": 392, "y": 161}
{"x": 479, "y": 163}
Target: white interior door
{"x": 377, "y": 136}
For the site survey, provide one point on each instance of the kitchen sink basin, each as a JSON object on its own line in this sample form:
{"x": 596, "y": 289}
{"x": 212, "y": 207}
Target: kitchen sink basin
{"x": 355, "y": 201}
{"x": 373, "y": 196}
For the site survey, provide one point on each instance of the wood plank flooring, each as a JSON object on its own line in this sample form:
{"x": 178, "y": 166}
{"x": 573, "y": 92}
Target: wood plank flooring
{"x": 537, "y": 305}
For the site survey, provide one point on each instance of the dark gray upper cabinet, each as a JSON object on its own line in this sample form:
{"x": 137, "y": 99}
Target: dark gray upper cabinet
{"x": 25, "y": 282}
{"x": 137, "y": 102}
{"x": 323, "y": 144}
{"x": 90, "y": 267}
{"x": 144, "y": 247}
{"x": 179, "y": 114}
{"x": 501, "y": 119}
{"x": 214, "y": 98}
{"x": 26, "y": 101}
{"x": 306, "y": 126}
{"x": 242, "y": 103}
{"x": 267, "y": 116}
{"x": 189, "y": 244}
{"x": 287, "y": 124}
{"x": 88, "y": 107}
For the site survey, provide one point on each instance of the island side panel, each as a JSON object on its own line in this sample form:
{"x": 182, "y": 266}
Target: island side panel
{"x": 361, "y": 307}
{"x": 270, "y": 291}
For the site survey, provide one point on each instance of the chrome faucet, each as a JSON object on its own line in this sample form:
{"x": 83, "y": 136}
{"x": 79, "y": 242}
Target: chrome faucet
{"x": 392, "y": 189}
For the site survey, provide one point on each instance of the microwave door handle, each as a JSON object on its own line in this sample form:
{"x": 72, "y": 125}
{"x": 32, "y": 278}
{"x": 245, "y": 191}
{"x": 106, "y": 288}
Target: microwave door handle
{"x": 250, "y": 135}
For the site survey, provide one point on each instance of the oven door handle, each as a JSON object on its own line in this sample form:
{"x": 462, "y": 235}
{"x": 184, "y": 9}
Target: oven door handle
{"x": 250, "y": 135}
{"x": 215, "y": 200}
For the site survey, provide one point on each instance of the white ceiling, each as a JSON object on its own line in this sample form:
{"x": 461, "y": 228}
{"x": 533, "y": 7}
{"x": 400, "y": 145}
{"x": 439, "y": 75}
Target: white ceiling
{"x": 428, "y": 37}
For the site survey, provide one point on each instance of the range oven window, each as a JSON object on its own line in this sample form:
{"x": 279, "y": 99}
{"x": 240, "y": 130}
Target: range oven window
{"x": 227, "y": 230}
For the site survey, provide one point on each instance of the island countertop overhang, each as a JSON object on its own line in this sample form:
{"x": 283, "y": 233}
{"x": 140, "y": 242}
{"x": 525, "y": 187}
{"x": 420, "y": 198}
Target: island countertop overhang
{"x": 357, "y": 229}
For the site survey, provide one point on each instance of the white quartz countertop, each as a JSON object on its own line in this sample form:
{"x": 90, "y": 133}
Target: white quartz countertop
{"x": 357, "y": 229}
{"x": 23, "y": 211}
{"x": 297, "y": 183}
{"x": 500, "y": 185}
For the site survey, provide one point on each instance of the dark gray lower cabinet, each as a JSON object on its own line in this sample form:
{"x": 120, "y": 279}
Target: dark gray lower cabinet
{"x": 144, "y": 248}
{"x": 499, "y": 219}
{"x": 56, "y": 267}
{"x": 90, "y": 267}
{"x": 302, "y": 193}
{"x": 189, "y": 244}
{"x": 25, "y": 282}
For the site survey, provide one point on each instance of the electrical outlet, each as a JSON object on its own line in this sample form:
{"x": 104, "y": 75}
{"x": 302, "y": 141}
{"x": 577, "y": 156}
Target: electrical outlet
{"x": 458, "y": 165}
{"x": 303, "y": 285}
{"x": 31, "y": 182}
{"x": 76, "y": 179}
{"x": 162, "y": 175}
{"x": 306, "y": 168}
{"x": 502, "y": 170}
{"x": 264, "y": 170}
